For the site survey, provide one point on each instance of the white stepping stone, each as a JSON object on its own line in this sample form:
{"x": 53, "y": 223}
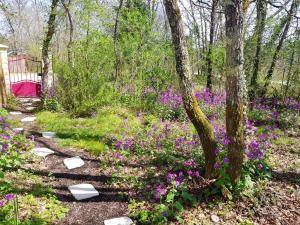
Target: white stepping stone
{"x": 83, "y": 191}
{"x": 27, "y": 104}
{"x": 15, "y": 113}
{"x": 23, "y": 100}
{"x": 42, "y": 152}
{"x": 18, "y": 129}
{"x": 48, "y": 134}
{"x": 30, "y": 108}
{"x": 119, "y": 221}
{"x": 36, "y": 100}
{"x": 74, "y": 162}
{"x": 28, "y": 119}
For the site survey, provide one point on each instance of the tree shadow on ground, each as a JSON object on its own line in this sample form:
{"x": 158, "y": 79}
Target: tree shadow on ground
{"x": 71, "y": 135}
{"x": 63, "y": 153}
{"x": 286, "y": 177}
{"x": 72, "y": 176}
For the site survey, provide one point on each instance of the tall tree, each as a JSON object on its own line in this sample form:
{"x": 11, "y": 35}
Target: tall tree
{"x": 261, "y": 11}
{"x": 211, "y": 42}
{"x": 291, "y": 14}
{"x": 292, "y": 59}
{"x": 197, "y": 117}
{"x": 116, "y": 47}
{"x": 3, "y": 96}
{"x": 9, "y": 16}
{"x": 235, "y": 87}
{"x": 46, "y": 45}
{"x": 66, "y": 6}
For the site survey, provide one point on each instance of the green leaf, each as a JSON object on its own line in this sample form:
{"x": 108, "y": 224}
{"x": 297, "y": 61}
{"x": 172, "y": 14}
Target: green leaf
{"x": 179, "y": 219}
{"x": 178, "y": 206}
{"x": 186, "y": 196}
{"x": 170, "y": 197}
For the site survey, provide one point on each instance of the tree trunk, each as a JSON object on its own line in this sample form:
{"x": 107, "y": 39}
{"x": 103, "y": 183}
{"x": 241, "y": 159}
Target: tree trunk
{"x": 202, "y": 21}
{"x": 116, "y": 50}
{"x": 46, "y": 44}
{"x": 261, "y": 10}
{"x": 289, "y": 75}
{"x": 195, "y": 114}
{"x": 197, "y": 38}
{"x": 235, "y": 88}
{"x": 70, "y": 43}
{"x": 291, "y": 14}
{"x": 210, "y": 46}
{"x": 3, "y": 95}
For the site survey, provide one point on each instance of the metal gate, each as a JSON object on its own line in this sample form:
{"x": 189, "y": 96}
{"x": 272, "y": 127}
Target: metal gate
{"x": 25, "y": 75}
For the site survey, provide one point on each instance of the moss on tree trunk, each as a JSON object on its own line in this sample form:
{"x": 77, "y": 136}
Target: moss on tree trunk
{"x": 197, "y": 117}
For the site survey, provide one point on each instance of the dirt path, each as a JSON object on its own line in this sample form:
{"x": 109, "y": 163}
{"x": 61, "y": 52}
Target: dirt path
{"x": 86, "y": 212}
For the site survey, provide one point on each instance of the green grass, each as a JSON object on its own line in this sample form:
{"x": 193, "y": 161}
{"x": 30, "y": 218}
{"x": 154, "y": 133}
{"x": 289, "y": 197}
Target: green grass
{"x": 88, "y": 133}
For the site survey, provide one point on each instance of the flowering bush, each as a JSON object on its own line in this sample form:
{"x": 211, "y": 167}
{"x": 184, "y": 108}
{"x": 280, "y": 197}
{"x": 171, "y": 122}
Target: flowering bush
{"x": 212, "y": 103}
{"x": 171, "y": 105}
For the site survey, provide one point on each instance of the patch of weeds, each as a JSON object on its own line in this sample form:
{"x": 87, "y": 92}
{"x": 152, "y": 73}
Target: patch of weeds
{"x": 51, "y": 104}
{"x": 283, "y": 141}
{"x": 245, "y": 222}
{"x": 36, "y": 201}
{"x": 38, "y": 190}
{"x": 32, "y": 210}
{"x": 226, "y": 209}
{"x": 12, "y": 101}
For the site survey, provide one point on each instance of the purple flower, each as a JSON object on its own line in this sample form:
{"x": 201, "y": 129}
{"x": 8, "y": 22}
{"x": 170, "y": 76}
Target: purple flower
{"x": 190, "y": 163}
{"x": 190, "y": 173}
{"x": 160, "y": 191}
{"x": 197, "y": 174}
{"x": 171, "y": 176}
{"x": 260, "y": 167}
{"x": 226, "y": 161}
{"x": 118, "y": 144}
{"x": 171, "y": 99}
{"x": 6, "y": 137}
{"x": 180, "y": 174}
{"x": 216, "y": 151}
{"x": 178, "y": 182}
{"x": 9, "y": 197}
{"x": 217, "y": 165}
{"x": 226, "y": 140}
{"x": 198, "y": 95}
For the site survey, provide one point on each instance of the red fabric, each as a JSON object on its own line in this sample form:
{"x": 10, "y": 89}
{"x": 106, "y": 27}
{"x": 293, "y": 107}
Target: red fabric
{"x": 26, "y": 89}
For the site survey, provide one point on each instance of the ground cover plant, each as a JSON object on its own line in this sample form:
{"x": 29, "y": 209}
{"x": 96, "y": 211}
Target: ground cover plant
{"x": 25, "y": 199}
{"x": 159, "y": 161}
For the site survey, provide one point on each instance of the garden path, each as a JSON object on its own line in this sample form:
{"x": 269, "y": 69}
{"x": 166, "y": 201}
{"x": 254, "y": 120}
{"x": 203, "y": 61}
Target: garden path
{"x": 109, "y": 204}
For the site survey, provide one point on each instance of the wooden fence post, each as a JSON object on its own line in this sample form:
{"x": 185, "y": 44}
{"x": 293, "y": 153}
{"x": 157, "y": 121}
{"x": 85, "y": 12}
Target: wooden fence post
{"x": 4, "y": 76}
